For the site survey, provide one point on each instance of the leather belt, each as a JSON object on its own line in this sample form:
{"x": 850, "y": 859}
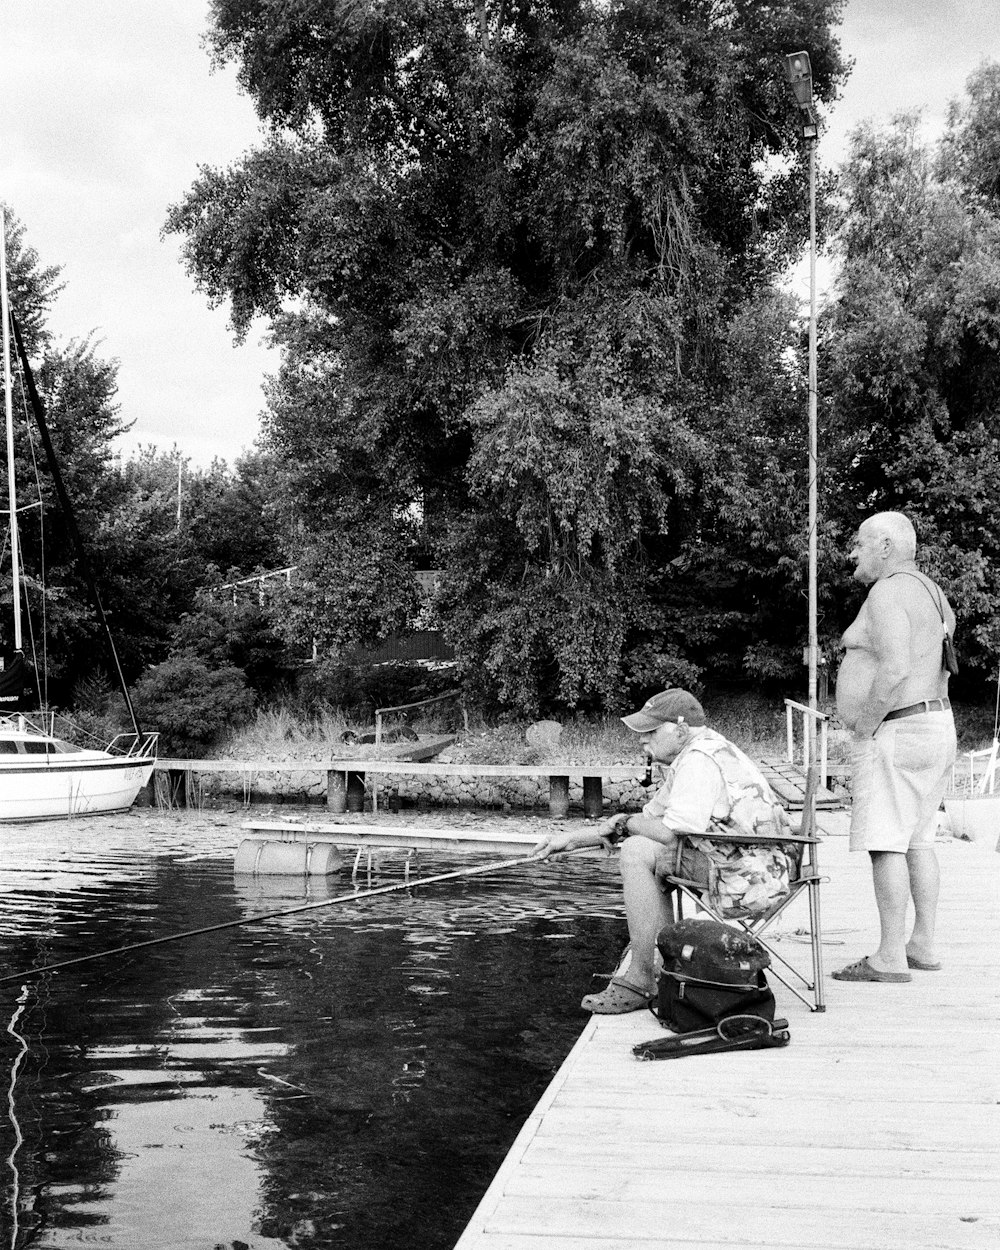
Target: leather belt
{"x": 925, "y": 705}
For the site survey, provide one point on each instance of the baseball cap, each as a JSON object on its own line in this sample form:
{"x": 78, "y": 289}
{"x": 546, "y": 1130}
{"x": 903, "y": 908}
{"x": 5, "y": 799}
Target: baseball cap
{"x": 669, "y": 705}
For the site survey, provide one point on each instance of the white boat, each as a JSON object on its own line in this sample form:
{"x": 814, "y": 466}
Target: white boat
{"x": 41, "y": 775}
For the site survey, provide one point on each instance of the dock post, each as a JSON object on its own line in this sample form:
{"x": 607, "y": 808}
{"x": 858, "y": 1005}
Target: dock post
{"x": 355, "y": 792}
{"x": 593, "y": 798}
{"x": 336, "y": 791}
{"x": 178, "y": 787}
{"x": 559, "y": 796}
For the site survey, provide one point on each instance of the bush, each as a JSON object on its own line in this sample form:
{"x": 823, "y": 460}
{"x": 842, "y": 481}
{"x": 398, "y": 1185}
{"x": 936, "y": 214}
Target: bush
{"x": 190, "y": 704}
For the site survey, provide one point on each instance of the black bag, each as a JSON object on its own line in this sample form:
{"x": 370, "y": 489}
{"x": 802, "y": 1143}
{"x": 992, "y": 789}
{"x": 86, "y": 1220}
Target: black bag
{"x": 711, "y": 971}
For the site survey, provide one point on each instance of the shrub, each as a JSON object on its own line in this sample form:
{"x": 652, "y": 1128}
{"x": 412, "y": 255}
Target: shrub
{"x": 190, "y": 704}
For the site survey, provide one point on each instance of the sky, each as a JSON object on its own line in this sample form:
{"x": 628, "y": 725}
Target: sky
{"x": 108, "y": 107}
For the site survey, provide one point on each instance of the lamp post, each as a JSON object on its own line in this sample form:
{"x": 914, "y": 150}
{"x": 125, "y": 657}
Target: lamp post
{"x": 799, "y": 74}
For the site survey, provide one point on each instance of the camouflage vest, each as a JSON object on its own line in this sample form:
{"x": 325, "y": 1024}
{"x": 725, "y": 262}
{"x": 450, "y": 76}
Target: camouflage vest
{"x": 745, "y": 880}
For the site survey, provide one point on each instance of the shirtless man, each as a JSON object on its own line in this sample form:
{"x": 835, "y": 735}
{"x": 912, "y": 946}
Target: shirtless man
{"x": 892, "y": 692}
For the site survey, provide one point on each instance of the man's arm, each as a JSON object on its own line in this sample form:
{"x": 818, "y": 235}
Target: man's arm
{"x": 889, "y": 641}
{"x": 696, "y": 791}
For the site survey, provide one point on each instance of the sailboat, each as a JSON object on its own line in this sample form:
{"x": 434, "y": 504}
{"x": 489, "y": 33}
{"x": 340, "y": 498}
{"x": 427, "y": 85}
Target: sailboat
{"x": 42, "y": 776}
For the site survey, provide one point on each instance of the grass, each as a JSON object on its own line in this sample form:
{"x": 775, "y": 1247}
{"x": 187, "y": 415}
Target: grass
{"x": 280, "y": 734}
{"x": 755, "y": 722}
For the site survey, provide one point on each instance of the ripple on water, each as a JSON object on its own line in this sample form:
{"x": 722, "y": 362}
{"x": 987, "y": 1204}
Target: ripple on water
{"x": 347, "y": 1077}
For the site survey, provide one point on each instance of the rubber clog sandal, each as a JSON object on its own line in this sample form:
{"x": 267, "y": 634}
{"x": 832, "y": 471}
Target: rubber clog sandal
{"x": 864, "y": 971}
{"x": 620, "y": 997}
{"x": 913, "y": 962}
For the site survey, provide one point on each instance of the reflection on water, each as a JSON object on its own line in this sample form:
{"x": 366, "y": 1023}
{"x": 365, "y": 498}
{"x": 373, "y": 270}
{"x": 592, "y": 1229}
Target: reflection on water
{"x": 349, "y": 1077}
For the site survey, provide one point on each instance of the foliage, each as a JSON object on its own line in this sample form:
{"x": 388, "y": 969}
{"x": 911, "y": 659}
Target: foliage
{"x": 238, "y": 629}
{"x": 359, "y": 687}
{"x": 521, "y": 242}
{"x": 191, "y": 704}
{"x": 913, "y": 356}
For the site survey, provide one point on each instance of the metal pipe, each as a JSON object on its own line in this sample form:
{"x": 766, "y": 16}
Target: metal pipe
{"x": 813, "y": 447}
{"x": 15, "y": 550}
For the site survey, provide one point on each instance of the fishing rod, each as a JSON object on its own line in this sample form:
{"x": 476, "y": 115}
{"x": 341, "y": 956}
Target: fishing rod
{"x": 477, "y": 870}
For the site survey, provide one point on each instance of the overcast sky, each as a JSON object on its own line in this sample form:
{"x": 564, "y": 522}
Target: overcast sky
{"x": 108, "y": 107}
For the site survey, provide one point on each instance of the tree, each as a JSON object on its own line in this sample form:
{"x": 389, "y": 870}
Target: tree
{"x": 913, "y": 353}
{"x": 507, "y": 226}
{"x": 78, "y": 391}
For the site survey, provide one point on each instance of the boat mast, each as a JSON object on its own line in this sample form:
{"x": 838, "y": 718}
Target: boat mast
{"x": 15, "y": 553}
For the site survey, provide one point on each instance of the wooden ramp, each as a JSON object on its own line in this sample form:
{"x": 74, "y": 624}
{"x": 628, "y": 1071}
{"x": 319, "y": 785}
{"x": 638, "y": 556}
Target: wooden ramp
{"x": 788, "y": 781}
{"x": 878, "y": 1128}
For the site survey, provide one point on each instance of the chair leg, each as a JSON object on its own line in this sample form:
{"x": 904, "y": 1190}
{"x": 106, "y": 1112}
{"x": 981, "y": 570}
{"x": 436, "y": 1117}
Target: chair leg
{"x": 817, "y": 947}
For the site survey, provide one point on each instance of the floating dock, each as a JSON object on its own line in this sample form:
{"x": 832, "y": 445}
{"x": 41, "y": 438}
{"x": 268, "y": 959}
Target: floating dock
{"x": 877, "y": 1128}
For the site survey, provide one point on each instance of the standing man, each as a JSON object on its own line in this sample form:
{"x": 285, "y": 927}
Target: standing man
{"x": 892, "y": 692}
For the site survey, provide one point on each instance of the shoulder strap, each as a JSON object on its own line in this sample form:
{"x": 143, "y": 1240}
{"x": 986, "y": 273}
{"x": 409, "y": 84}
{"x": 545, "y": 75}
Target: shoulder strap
{"x": 936, "y": 601}
{"x": 743, "y": 1032}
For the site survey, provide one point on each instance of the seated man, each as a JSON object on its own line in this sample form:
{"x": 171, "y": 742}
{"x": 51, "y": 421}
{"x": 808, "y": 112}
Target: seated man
{"x": 710, "y": 784}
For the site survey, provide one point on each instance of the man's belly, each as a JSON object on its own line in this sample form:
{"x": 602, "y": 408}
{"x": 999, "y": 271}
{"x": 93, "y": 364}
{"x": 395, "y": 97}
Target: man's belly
{"x": 854, "y": 683}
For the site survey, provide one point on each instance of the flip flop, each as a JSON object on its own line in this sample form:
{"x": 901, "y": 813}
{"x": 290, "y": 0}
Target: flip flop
{"x": 864, "y": 971}
{"x": 620, "y": 997}
{"x": 913, "y": 962}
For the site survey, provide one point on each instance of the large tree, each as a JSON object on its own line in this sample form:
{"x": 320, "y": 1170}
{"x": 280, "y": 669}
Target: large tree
{"x": 913, "y": 352}
{"x": 520, "y": 241}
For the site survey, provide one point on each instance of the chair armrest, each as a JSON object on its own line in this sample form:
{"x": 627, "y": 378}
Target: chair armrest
{"x": 753, "y": 839}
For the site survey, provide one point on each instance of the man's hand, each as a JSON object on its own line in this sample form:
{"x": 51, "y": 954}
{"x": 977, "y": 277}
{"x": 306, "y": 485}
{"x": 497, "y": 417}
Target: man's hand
{"x": 613, "y": 830}
{"x": 554, "y": 844}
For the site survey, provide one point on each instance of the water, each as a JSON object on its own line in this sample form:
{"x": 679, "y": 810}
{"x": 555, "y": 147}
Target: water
{"x": 348, "y": 1077}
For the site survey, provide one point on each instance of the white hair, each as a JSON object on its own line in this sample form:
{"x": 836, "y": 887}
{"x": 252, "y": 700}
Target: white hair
{"x": 898, "y": 528}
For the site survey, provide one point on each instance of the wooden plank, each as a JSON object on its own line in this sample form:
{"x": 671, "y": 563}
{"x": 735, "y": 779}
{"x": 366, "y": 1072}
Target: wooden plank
{"x": 877, "y": 1128}
{"x": 788, "y": 781}
{"x": 405, "y": 768}
{"x": 647, "y": 1185}
{"x": 656, "y": 1223}
{"x": 399, "y": 836}
{"x": 882, "y": 1126}
{"x": 770, "y": 1157}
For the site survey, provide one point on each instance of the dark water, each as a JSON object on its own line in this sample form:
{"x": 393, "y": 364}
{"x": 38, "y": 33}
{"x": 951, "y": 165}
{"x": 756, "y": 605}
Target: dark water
{"x": 348, "y": 1077}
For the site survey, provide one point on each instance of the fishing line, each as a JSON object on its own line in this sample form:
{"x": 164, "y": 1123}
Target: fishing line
{"x": 478, "y": 870}
{"x": 15, "y": 1198}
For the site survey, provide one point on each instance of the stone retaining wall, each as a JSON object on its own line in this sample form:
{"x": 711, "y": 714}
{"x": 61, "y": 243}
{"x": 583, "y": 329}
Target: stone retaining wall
{"x": 506, "y": 793}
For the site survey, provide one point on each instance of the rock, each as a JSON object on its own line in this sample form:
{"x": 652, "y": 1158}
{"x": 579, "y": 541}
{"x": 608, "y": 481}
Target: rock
{"x": 544, "y": 735}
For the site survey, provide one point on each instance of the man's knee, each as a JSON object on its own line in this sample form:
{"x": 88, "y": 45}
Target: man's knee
{"x": 639, "y": 852}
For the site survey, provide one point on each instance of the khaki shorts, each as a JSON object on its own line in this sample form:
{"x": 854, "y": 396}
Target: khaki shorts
{"x": 694, "y": 864}
{"x": 898, "y": 780}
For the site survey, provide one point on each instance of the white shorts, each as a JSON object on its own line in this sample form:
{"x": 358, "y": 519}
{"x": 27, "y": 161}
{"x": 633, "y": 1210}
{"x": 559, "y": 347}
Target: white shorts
{"x": 898, "y": 780}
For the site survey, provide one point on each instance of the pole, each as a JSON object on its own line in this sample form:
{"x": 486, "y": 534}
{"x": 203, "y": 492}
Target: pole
{"x": 15, "y": 550}
{"x": 70, "y": 517}
{"x": 813, "y": 471}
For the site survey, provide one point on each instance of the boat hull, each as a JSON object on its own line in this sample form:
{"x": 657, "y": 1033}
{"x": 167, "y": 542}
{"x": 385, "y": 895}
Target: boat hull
{"x": 57, "y": 787}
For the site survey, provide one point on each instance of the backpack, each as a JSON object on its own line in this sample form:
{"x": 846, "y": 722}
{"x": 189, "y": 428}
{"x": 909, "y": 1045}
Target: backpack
{"x": 711, "y": 971}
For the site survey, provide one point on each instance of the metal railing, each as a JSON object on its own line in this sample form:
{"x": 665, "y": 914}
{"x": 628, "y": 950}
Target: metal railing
{"x": 810, "y": 720}
{"x": 405, "y": 707}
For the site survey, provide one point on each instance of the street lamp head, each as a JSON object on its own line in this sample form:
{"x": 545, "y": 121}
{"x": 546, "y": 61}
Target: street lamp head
{"x": 798, "y": 71}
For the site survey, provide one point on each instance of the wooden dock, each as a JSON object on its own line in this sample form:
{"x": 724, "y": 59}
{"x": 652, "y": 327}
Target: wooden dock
{"x": 878, "y": 1128}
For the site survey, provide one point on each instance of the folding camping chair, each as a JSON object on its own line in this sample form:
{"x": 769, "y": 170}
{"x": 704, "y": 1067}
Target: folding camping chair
{"x": 805, "y": 881}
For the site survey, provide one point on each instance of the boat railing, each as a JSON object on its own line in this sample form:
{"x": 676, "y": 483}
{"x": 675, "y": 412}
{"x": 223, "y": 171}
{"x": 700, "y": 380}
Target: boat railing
{"x": 38, "y": 722}
{"x": 141, "y": 745}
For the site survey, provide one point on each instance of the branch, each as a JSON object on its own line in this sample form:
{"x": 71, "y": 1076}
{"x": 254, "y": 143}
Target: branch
{"x": 420, "y": 118}
{"x": 484, "y": 29}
